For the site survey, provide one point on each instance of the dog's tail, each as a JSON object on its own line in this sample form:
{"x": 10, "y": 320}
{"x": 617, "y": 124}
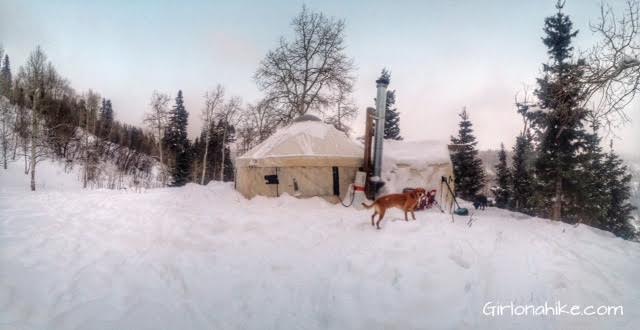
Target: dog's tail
{"x": 368, "y": 206}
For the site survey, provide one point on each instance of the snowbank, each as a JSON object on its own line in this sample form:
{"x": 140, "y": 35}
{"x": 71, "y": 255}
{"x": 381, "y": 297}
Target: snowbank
{"x": 51, "y": 175}
{"x": 205, "y": 258}
{"x": 416, "y": 154}
{"x": 414, "y": 164}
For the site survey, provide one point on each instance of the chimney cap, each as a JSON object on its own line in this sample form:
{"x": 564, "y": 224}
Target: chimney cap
{"x": 383, "y": 81}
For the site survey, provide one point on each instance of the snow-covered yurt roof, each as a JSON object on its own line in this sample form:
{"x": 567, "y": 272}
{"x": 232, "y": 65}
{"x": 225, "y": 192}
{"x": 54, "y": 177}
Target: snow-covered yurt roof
{"x": 415, "y": 164}
{"x": 306, "y": 142}
{"x": 416, "y": 154}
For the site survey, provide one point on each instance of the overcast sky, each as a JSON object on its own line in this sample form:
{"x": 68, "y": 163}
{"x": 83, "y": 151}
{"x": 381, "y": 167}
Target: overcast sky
{"x": 443, "y": 55}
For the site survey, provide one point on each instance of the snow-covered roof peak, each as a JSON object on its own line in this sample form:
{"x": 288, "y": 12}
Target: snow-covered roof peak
{"x": 306, "y": 117}
{"x": 304, "y": 139}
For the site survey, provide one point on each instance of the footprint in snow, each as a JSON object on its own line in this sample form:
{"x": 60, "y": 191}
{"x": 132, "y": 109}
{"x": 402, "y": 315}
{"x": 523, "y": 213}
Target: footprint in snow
{"x": 460, "y": 261}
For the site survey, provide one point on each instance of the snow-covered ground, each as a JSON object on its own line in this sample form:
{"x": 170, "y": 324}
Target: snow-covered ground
{"x": 205, "y": 258}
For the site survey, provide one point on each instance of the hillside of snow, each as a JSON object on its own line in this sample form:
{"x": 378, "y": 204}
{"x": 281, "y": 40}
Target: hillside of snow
{"x": 203, "y": 257}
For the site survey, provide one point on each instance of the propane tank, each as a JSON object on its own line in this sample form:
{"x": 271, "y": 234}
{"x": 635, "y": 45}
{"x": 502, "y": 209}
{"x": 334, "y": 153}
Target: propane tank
{"x": 358, "y": 187}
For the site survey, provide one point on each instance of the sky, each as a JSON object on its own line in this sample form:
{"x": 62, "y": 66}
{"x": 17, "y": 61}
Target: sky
{"x": 443, "y": 55}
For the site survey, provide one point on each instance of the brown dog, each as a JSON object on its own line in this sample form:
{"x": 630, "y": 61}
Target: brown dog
{"x": 406, "y": 202}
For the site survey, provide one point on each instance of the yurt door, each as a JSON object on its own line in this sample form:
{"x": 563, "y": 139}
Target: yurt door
{"x": 272, "y": 181}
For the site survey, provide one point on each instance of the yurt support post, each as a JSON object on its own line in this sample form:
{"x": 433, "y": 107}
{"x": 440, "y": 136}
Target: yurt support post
{"x": 368, "y": 139}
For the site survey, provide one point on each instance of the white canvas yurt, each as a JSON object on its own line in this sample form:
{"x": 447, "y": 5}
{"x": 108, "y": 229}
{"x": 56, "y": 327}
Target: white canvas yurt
{"x": 417, "y": 164}
{"x": 309, "y": 158}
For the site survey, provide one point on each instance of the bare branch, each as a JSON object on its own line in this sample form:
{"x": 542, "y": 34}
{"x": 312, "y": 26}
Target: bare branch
{"x": 306, "y": 73}
{"x": 612, "y": 76}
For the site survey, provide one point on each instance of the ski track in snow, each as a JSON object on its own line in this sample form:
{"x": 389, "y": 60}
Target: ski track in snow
{"x": 205, "y": 258}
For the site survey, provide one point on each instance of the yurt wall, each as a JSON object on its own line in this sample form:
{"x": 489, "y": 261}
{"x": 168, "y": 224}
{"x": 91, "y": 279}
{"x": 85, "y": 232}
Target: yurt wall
{"x": 306, "y": 181}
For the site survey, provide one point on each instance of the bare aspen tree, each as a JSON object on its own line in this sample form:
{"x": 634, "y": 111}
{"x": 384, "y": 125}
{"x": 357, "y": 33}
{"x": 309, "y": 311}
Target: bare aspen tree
{"x": 19, "y": 127}
{"x": 612, "y": 76}
{"x": 25, "y": 141}
{"x": 22, "y": 128}
{"x": 156, "y": 120}
{"x": 213, "y": 101}
{"x": 345, "y": 111}
{"x": 92, "y": 104}
{"x": 227, "y": 115}
{"x": 258, "y": 121}
{"x": 7, "y": 117}
{"x": 38, "y": 78}
{"x": 38, "y": 148}
{"x": 524, "y": 104}
{"x": 34, "y": 140}
{"x": 306, "y": 72}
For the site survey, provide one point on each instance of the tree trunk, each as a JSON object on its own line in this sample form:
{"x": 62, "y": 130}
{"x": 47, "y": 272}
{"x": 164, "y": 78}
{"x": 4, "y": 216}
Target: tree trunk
{"x": 15, "y": 141}
{"x": 34, "y": 135}
{"x": 4, "y": 144}
{"x": 224, "y": 136}
{"x": 557, "y": 204}
{"x": 162, "y": 171}
{"x": 86, "y": 168}
{"x": 95, "y": 125}
{"x": 85, "y": 177}
{"x": 26, "y": 162}
{"x": 15, "y": 148}
{"x": 4, "y": 153}
{"x": 33, "y": 174}
{"x": 206, "y": 151}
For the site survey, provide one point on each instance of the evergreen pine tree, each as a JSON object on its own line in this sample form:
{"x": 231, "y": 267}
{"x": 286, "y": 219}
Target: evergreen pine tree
{"x": 228, "y": 170}
{"x": 619, "y": 209}
{"x": 5, "y": 77}
{"x": 177, "y": 142}
{"x": 591, "y": 198}
{"x": 385, "y": 75}
{"x": 392, "y": 118}
{"x": 467, "y": 167}
{"x": 182, "y": 169}
{"x": 197, "y": 152}
{"x": 106, "y": 119}
{"x": 503, "y": 179}
{"x": 213, "y": 158}
{"x": 560, "y": 123}
{"x": 522, "y": 180}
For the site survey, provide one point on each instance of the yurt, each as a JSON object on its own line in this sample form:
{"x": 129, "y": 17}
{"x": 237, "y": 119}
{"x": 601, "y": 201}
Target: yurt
{"x": 418, "y": 164}
{"x": 308, "y": 158}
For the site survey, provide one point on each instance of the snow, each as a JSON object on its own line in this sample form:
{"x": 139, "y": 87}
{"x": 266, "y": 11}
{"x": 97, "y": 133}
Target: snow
{"x": 416, "y": 154}
{"x": 306, "y": 138}
{"x": 414, "y": 164}
{"x": 50, "y": 175}
{"x": 203, "y": 257}
{"x": 537, "y": 108}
